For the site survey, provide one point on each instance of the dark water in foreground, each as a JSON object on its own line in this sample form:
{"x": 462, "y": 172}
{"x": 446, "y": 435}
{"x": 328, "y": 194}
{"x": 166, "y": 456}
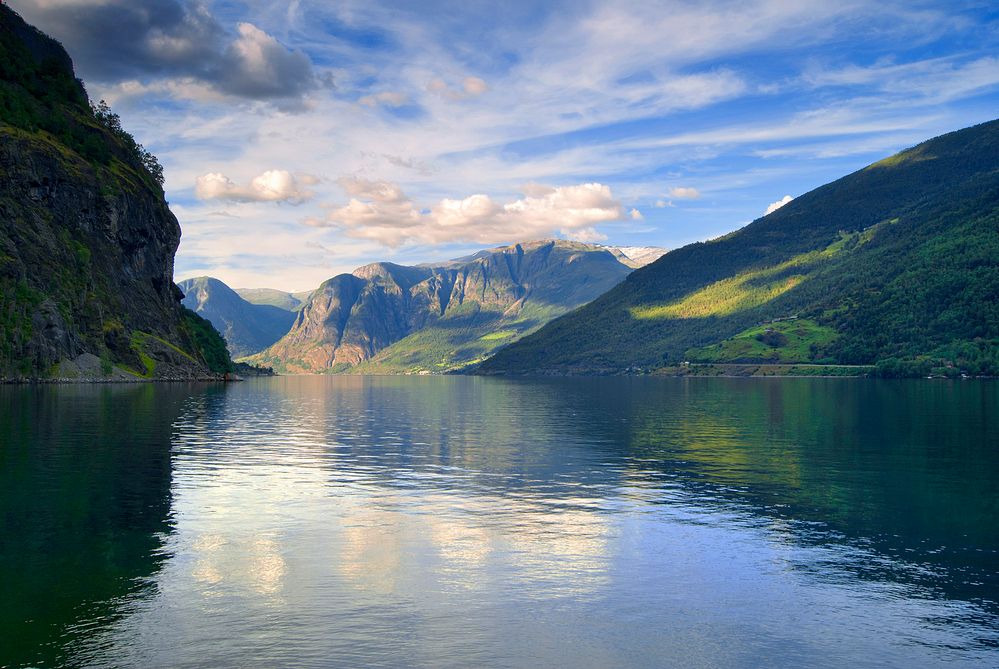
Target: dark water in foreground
{"x": 460, "y": 522}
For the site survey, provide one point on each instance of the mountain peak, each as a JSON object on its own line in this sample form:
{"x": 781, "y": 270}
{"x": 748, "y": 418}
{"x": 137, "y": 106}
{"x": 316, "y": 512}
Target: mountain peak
{"x": 632, "y": 256}
{"x": 385, "y": 317}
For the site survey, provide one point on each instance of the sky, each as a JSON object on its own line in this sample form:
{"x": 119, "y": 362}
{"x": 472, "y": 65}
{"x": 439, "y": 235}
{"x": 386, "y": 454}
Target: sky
{"x": 302, "y": 139}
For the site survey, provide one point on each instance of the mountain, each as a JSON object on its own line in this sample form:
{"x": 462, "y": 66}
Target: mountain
{"x": 896, "y": 265}
{"x": 247, "y": 328}
{"x": 637, "y": 256}
{"x": 87, "y": 241}
{"x": 274, "y": 298}
{"x": 387, "y": 318}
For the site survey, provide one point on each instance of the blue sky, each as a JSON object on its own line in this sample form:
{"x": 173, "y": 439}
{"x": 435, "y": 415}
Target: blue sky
{"x": 306, "y": 138}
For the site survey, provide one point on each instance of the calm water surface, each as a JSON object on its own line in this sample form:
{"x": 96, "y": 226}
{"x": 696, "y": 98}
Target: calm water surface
{"x": 465, "y": 522}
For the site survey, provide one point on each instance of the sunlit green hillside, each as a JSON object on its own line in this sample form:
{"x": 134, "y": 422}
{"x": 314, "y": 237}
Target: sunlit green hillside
{"x": 895, "y": 265}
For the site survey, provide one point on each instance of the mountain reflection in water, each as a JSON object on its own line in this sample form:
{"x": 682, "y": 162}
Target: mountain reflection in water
{"x": 451, "y": 521}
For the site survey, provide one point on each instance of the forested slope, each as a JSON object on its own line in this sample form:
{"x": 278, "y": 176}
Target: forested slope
{"x": 895, "y": 265}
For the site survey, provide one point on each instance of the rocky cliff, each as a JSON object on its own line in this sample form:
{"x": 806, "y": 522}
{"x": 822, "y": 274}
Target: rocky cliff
{"x": 86, "y": 238}
{"x": 387, "y": 318}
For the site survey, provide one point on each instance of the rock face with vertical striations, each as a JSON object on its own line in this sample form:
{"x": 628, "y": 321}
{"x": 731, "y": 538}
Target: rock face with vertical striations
{"x": 387, "y": 318}
{"x": 87, "y": 241}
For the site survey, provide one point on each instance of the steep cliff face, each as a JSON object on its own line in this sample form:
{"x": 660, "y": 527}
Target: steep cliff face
{"x": 326, "y": 334}
{"x": 388, "y": 318}
{"x": 86, "y": 238}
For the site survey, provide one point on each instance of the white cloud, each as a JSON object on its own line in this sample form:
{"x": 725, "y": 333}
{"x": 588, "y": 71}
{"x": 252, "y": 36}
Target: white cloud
{"x": 417, "y": 166}
{"x": 380, "y": 211}
{"x": 271, "y": 186}
{"x": 471, "y": 87}
{"x": 684, "y": 193}
{"x": 379, "y": 191}
{"x": 850, "y": 117}
{"x": 587, "y": 236}
{"x": 180, "y": 88}
{"x": 598, "y": 66}
{"x": 635, "y": 215}
{"x": 474, "y": 86}
{"x": 385, "y": 98}
{"x": 936, "y": 80}
{"x": 774, "y": 206}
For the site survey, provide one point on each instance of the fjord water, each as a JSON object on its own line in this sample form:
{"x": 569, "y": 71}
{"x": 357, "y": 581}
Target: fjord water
{"x": 457, "y": 522}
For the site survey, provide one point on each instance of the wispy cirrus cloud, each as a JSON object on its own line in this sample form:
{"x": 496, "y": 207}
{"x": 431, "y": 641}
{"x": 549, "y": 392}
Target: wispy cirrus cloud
{"x": 929, "y": 81}
{"x": 684, "y": 193}
{"x": 470, "y": 87}
{"x": 740, "y": 100}
{"x": 386, "y": 98}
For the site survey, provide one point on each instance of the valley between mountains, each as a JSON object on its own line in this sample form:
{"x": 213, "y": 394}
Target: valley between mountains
{"x": 434, "y": 318}
{"x": 892, "y": 270}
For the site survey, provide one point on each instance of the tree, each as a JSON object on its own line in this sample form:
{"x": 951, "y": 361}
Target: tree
{"x": 112, "y": 123}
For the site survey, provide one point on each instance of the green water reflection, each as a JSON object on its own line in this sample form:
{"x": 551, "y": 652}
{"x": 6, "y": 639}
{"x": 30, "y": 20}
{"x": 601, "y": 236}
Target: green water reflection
{"x": 591, "y": 522}
{"x": 84, "y": 504}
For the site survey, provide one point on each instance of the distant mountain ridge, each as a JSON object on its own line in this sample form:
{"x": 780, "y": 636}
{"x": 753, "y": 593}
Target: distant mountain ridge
{"x": 637, "y": 256}
{"x": 390, "y": 318}
{"x": 247, "y": 328}
{"x": 274, "y": 297}
{"x": 896, "y": 265}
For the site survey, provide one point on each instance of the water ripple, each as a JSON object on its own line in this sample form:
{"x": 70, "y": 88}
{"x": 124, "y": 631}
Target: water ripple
{"x": 461, "y": 522}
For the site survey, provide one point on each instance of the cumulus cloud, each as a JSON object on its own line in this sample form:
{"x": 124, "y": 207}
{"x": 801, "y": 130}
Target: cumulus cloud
{"x": 587, "y": 236}
{"x": 662, "y": 204}
{"x": 257, "y": 66}
{"x": 381, "y": 211}
{"x": 271, "y": 186}
{"x": 470, "y": 87}
{"x": 774, "y": 206}
{"x": 379, "y": 191}
{"x": 120, "y": 40}
{"x": 684, "y": 193}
